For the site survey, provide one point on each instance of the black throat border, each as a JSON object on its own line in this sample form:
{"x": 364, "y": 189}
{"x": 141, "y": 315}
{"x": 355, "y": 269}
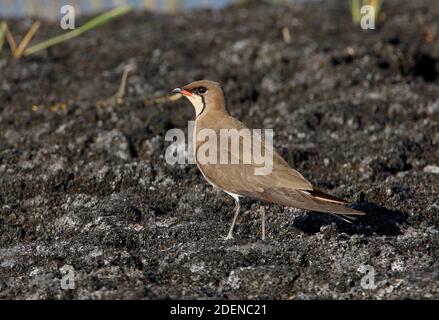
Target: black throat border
{"x": 203, "y": 101}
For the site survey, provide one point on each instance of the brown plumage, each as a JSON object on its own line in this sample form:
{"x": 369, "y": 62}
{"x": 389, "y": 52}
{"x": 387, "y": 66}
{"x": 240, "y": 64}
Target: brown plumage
{"x": 284, "y": 185}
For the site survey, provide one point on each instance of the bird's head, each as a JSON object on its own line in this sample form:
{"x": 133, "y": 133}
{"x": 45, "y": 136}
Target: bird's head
{"x": 205, "y": 95}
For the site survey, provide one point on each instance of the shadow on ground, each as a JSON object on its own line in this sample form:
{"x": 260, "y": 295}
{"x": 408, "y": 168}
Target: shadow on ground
{"x": 377, "y": 221}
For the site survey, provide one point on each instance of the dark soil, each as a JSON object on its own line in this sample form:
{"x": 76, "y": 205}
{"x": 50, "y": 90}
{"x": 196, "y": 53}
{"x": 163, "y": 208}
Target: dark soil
{"x": 357, "y": 112}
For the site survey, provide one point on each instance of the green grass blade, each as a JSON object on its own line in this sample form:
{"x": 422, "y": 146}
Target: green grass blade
{"x": 90, "y": 25}
{"x": 356, "y": 15}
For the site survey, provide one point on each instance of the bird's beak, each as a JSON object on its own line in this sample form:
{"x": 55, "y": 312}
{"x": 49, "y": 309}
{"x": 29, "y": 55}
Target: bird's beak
{"x": 181, "y": 91}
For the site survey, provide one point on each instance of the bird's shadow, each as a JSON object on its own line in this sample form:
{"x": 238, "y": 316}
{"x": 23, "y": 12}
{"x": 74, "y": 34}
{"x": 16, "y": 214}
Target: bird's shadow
{"x": 378, "y": 220}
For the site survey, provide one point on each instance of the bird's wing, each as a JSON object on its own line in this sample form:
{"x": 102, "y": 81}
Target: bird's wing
{"x": 240, "y": 174}
{"x": 283, "y": 185}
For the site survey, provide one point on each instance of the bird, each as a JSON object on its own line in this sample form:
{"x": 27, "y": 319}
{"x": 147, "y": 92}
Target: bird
{"x": 283, "y": 185}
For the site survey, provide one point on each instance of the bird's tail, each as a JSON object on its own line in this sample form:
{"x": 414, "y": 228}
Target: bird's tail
{"x": 326, "y": 197}
{"x": 314, "y": 200}
{"x": 339, "y": 209}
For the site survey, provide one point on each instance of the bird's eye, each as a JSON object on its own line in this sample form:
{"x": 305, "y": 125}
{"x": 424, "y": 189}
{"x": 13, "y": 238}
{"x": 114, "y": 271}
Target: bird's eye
{"x": 201, "y": 90}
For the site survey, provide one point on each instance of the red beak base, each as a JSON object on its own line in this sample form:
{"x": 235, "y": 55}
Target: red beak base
{"x": 186, "y": 93}
{"x": 182, "y": 91}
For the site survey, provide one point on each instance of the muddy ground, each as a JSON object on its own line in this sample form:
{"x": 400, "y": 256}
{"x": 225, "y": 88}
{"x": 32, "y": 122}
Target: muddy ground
{"x": 357, "y": 112}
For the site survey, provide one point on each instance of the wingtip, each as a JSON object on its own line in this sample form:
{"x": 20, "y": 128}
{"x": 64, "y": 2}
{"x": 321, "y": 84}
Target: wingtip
{"x": 351, "y": 211}
{"x": 320, "y": 195}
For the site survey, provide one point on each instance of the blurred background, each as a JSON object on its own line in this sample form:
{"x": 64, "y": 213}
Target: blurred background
{"x": 50, "y": 8}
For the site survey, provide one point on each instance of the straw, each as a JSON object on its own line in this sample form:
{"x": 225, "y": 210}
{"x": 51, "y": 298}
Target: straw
{"x": 3, "y": 27}
{"x": 27, "y": 38}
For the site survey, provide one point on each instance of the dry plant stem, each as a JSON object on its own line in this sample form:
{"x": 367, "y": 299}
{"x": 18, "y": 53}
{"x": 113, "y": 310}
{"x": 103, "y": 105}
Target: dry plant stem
{"x": 286, "y": 35}
{"x": 146, "y": 102}
{"x": 118, "y": 98}
{"x": 123, "y": 84}
{"x": 3, "y": 27}
{"x": 11, "y": 40}
{"x": 27, "y": 38}
{"x": 163, "y": 99}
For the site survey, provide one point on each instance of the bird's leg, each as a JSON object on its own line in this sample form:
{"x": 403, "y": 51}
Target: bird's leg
{"x": 237, "y": 208}
{"x": 262, "y": 209}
